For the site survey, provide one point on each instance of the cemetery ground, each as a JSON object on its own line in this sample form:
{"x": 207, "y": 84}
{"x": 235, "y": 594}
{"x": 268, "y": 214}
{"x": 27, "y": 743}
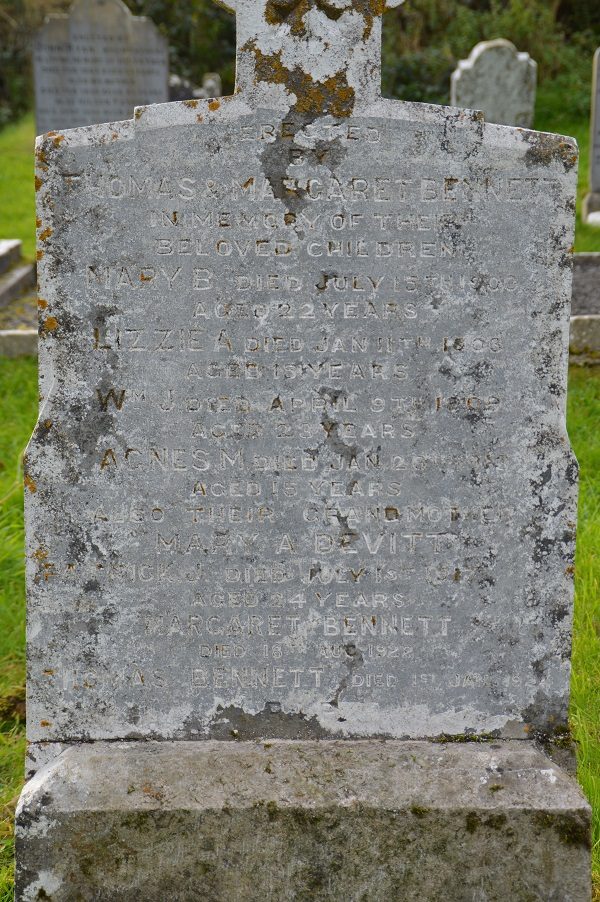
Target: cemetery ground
{"x": 18, "y": 408}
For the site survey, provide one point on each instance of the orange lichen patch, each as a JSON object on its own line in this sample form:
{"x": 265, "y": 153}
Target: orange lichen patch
{"x": 48, "y": 672}
{"x": 45, "y": 723}
{"x": 39, "y": 255}
{"x": 38, "y": 222}
{"x": 50, "y": 324}
{"x": 47, "y": 424}
{"x": 46, "y": 567}
{"x": 58, "y": 140}
{"x": 38, "y": 183}
{"x": 570, "y": 570}
{"x": 199, "y": 118}
{"x": 42, "y": 304}
{"x": 191, "y": 103}
{"x": 139, "y": 112}
{"x": 29, "y": 483}
{"x": 214, "y": 104}
{"x": 41, "y": 155}
{"x": 145, "y": 278}
{"x": 108, "y": 459}
{"x": 46, "y": 234}
{"x": 333, "y": 96}
{"x": 153, "y": 792}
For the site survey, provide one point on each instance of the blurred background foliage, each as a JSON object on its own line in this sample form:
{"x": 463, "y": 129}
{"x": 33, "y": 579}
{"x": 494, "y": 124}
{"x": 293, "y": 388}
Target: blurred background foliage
{"x": 423, "y": 39}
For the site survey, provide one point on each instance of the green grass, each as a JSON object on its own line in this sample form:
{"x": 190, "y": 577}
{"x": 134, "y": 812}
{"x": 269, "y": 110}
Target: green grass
{"x": 553, "y": 115}
{"x": 584, "y": 430}
{"x": 18, "y": 403}
{"x": 18, "y": 392}
{"x": 17, "y": 192}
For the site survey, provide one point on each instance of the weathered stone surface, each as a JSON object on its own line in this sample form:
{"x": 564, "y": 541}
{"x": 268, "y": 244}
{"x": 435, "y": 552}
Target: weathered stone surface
{"x": 309, "y": 820}
{"x": 499, "y": 80}
{"x": 586, "y": 284}
{"x": 301, "y": 472}
{"x": 591, "y": 204}
{"x": 301, "y": 468}
{"x": 96, "y": 64}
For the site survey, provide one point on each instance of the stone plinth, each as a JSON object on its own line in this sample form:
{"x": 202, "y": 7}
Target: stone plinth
{"x": 586, "y": 285}
{"x": 303, "y": 820}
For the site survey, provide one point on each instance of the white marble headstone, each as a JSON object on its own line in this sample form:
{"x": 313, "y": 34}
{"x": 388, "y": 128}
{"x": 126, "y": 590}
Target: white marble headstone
{"x": 498, "y": 80}
{"x": 301, "y": 466}
{"x": 96, "y": 64}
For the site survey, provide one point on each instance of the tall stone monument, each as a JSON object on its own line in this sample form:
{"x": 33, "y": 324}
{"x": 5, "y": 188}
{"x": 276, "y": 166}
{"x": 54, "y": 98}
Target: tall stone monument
{"x": 97, "y": 64}
{"x": 300, "y": 500}
{"x": 499, "y": 80}
{"x": 591, "y": 204}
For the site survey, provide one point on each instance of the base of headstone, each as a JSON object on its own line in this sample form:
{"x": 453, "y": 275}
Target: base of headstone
{"x": 584, "y": 340}
{"x": 279, "y": 820}
{"x": 591, "y": 208}
{"x": 586, "y": 285}
{"x": 18, "y": 342}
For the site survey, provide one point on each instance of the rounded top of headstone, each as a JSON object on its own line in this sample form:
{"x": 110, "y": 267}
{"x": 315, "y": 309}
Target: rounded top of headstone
{"x": 499, "y": 47}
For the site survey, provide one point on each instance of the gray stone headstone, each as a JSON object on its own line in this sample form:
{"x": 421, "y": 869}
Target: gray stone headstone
{"x": 591, "y": 208}
{"x": 308, "y": 376}
{"x": 96, "y": 64}
{"x": 301, "y": 472}
{"x": 499, "y": 80}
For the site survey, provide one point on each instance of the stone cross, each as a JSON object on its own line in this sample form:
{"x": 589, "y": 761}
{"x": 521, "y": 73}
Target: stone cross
{"x": 327, "y": 53}
{"x": 591, "y": 206}
{"x": 301, "y": 483}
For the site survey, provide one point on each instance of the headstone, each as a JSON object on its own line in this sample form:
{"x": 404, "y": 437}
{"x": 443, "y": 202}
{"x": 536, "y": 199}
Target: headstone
{"x": 96, "y": 64}
{"x": 301, "y": 473}
{"x": 591, "y": 205}
{"x": 499, "y": 80}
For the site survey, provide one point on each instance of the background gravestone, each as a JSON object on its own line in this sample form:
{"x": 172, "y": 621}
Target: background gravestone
{"x": 499, "y": 80}
{"x": 96, "y": 64}
{"x": 591, "y": 204}
{"x": 301, "y": 473}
